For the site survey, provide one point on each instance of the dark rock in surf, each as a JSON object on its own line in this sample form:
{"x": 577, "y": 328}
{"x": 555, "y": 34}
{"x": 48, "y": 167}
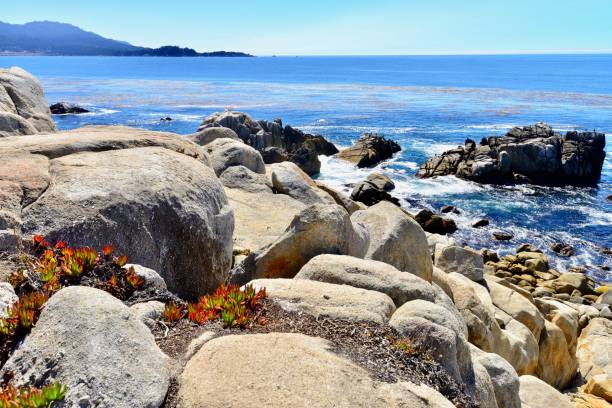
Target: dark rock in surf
{"x": 480, "y": 223}
{"x": 502, "y": 236}
{"x": 449, "y": 209}
{"x": 530, "y": 154}
{"x": 562, "y": 249}
{"x": 369, "y": 150}
{"x": 63, "y": 108}
{"x": 435, "y": 224}
{"x": 374, "y": 189}
{"x": 275, "y": 142}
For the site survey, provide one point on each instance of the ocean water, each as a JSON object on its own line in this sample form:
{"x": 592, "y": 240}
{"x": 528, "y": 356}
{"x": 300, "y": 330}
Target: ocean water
{"x": 426, "y": 104}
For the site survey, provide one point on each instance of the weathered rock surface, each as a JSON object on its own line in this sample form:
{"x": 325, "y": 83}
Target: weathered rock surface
{"x": 112, "y": 196}
{"x": 288, "y": 178}
{"x": 311, "y": 376}
{"x": 89, "y": 341}
{"x": 369, "y": 150}
{"x": 274, "y": 142}
{"x": 504, "y": 379}
{"x": 536, "y": 393}
{"x": 435, "y": 328}
{"x": 148, "y": 312}
{"x": 514, "y": 341}
{"x": 341, "y": 199}
{"x": 321, "y": 299}
{"x": 99, "y": 139}
{"x": 517, "y": 306}
{"x": 64, "y": 108}
{"x": 531, "y": 153}
{"x": 318, "y": 229}
{"x": 557, "y": 363}
{"x": 7, "y": 298}
{"x": 367, "y": 274}
{"x": 465, "y": 261}
{"x": 24, "y": 109}
{"x": 225, "y": 153}
{"x": 595, "y": 359}
{"x": 396, "y": 239}
{"x": 239, "y": 177}
{"x": 207, "y": 135}
{"x": 260, "y": 216}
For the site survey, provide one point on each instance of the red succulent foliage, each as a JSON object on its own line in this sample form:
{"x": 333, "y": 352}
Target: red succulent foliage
{"x": 173, "y": 312}
{"x": 234, "y": 306}
{"x": 107, "y": 250}
{"x": 121, "y": 260}
{"x": 30, "y": 397}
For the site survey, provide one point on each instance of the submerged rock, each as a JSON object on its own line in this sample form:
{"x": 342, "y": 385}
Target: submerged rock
{"x": 533, "y": 154}
{"x": 369, "y": 150}
{"x": 63, "y": 108}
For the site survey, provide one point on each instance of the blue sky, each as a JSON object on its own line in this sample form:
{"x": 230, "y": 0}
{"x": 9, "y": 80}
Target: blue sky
{"x": 339, "y": 27}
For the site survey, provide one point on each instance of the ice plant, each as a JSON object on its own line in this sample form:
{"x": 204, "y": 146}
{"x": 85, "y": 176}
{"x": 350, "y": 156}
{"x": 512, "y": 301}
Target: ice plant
{"x": 134, "y": 279}
{"x": 234, "y": 306}
{"x": 173, "y": 312}
{"x": 30, "y": 397}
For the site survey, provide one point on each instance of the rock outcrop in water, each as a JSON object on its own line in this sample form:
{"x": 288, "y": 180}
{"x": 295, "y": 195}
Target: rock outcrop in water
{"x": 534, "y": 154}
{"x": 369, "y": 150}
{"x": 23, "y": 105}
{"x": 275, "y": 142}
{"x": 64, "y": 108}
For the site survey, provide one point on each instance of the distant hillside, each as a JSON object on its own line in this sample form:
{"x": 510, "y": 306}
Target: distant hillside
{"x": 51, "y": 38}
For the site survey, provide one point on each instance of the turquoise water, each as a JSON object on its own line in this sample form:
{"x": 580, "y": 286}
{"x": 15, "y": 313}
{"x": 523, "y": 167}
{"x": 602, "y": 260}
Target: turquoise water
{"x": 427, "y": 104}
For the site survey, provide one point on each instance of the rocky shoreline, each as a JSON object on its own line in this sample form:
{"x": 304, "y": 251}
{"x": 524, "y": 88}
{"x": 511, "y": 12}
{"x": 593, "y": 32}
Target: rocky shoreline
{"x": 362, "y": 305}
{"x": 532, "y": 154}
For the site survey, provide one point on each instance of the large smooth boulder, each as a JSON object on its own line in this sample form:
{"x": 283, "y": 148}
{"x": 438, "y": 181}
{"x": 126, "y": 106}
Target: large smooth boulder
{"x": 99, "y": 139}
{"x": 205, "y": 136}
{"x": 322, "y": 299}
{"x": 517, "y": 306}
{"x": 490, "y": 328}
{"x": 396, "y": 239}
{"x": 503, "y": 377}
{"x": 595, "y": 359}
{"x": 367, "y": 274}
{"x": 241, "y": 178}
{"x": 225, "y": 153}
{"x": 312, "y": 375}
{"x": 24, "y": 109}
{"x": 536, "y": 393}
{"x": 465, "y": 261}
{"x": 129, "y": 198}
{"x": 435, "y": 328}
{"x": 374, "y": 189}
{"x": 318, "y": 229}
{"x": 369, "y": 150}
{"x": 288, "y": 178}
{"x": 557, "y": 363}
{"x": 92, "y": 343}
{"x": 260, "y": 216}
